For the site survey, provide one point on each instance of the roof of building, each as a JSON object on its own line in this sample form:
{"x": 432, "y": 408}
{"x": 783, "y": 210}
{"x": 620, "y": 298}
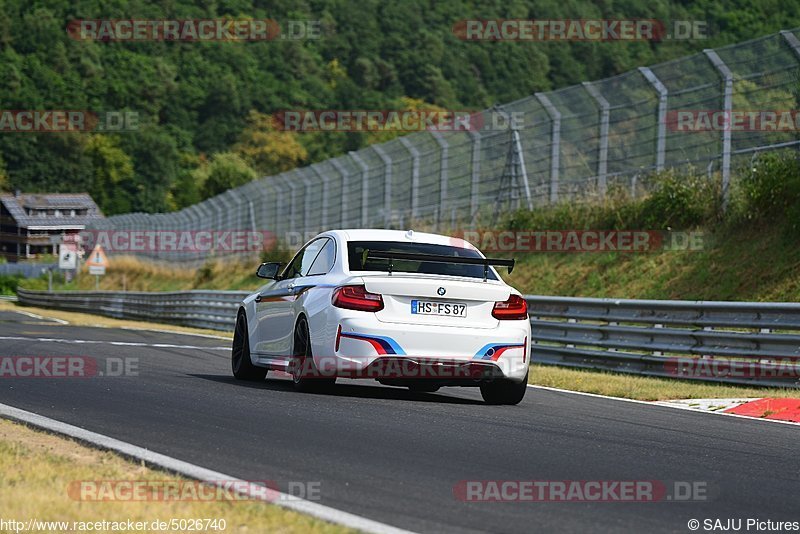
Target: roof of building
{"x": 18, "y": 205}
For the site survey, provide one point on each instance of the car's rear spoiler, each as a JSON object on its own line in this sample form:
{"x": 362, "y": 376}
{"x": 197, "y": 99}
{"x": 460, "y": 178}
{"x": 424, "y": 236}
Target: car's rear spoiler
{"x": 438, "y": 258}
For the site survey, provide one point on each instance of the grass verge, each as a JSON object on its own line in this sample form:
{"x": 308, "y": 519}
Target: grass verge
{"x": 37, "y": 468}
{"x": 645, "y": 388}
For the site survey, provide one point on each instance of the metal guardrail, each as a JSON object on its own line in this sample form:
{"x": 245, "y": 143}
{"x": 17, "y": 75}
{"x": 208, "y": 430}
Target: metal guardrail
{"x": 214, "y": 310}
{"x": 731, "y": 342}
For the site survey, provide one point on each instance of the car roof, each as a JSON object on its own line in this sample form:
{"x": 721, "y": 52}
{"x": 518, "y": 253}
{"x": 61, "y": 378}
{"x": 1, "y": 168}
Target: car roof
{"x": 408, "y": 236}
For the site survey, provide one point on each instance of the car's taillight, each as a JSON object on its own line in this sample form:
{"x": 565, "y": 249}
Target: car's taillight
{"x": 356, "y": 298}
{"x": 513, "y": 308}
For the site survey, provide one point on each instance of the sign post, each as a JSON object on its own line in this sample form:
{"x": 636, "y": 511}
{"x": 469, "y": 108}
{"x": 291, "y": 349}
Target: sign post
{"x": 68, "y": 259}
{"x": 97, "y": 262}
{"x": 69, "y": 256}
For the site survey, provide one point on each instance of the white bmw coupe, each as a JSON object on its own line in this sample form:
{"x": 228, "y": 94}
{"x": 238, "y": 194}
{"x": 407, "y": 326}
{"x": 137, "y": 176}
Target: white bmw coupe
{"x": 405, "y": 308}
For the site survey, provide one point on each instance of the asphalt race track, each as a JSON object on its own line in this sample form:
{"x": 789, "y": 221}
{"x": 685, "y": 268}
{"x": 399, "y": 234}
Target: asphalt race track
{"x": 395, "y": 456}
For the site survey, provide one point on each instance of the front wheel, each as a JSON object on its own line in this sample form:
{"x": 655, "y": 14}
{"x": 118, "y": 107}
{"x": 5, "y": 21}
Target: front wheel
{"x": 503, "y": 391}
{"x": 243, "y": 368}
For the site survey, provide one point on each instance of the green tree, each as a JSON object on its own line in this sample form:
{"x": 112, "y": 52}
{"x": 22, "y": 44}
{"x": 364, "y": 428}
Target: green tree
{"x": 224, "y": 171}
{"x": 4, "y": 183}
{"x": 268, "y": 150}
{"x": 112, "y": 175}
{"x": 186, "y": 189}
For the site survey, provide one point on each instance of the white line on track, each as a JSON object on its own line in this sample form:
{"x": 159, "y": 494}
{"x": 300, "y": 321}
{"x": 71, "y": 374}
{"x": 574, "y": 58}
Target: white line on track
{"x": 195, "y": 472}
{"x": 40, "y": 317}
{"x": 118, "y": 343}
{"x": 673, "y": 406}
{"x": 164, "y": 331}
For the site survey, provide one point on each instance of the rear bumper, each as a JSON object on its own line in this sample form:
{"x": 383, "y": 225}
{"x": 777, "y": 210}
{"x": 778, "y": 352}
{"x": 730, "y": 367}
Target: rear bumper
{"x": 367, "y": 348}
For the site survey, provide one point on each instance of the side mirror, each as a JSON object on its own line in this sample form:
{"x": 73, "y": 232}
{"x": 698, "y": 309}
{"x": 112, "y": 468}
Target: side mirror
{"x": 269, "y": 270}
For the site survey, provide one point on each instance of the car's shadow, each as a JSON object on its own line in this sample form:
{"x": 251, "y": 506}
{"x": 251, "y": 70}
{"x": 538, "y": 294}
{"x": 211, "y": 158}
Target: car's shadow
{"x": 364, "y": 389}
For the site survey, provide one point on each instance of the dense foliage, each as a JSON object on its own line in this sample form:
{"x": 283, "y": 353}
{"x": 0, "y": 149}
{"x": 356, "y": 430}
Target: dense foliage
{"x": 204, "y": 108}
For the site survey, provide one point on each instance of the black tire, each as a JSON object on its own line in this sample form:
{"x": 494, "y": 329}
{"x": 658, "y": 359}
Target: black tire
{"x": 242, "y": 367}
{"x": 423, "y": 388}
{"x": 504, "y": 391}
{"x": 305, "y": 375}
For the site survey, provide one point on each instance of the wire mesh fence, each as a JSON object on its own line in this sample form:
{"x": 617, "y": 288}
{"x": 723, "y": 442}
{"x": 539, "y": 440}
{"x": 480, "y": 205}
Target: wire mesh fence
{"x": 572, "y": 143}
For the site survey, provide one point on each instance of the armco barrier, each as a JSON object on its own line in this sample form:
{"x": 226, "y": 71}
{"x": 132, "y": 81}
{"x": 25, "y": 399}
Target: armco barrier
{"x": 732, "y": 342}
{"x": 201, "y": 309}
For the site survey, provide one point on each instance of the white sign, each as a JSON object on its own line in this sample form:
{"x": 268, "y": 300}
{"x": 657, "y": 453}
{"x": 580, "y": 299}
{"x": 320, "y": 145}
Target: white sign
{"x": 67, "y": 257}
{"x": 98, "y": 270}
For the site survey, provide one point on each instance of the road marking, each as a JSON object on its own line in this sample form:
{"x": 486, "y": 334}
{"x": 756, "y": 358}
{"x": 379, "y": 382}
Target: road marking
{"x": 195, "y": 472}
{"x": 118, "y": 343}
{"x": 40, "y": 317}
{"x": 653, "y": 403}
{"x": 163, "y": 331}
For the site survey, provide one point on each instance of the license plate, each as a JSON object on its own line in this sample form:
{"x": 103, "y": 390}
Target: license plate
{"x": 449, "y": 309}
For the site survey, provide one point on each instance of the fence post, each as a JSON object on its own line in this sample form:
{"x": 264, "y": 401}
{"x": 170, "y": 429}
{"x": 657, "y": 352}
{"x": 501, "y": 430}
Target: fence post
{"x": 252, "y": 210}
{"x": 222, "y": 199}
{"x": 306, "y": 202}
{"x": 219, "y": 208}
{"x": 520, "y": 157}
{"x": 727, "y": 105}
{"x": 345, "y": 175}
{"x": 555, "y": 143}
{"x": 663, "y": 94}
{"x": 414, "y": 176}
{"x": 522, "y": 166}
{"x": 387, "y": 186}
{"x": 476, "y": 175}
{"x": 205, "y": 216}
{"x": 292, "y": 222}
{"x": 325, "y": 196}
{"x": 602, "y": 155}
{"x": 270, "y": 220}
{"x": 239, "y": 201}
{"x": 182, "y": 226}
{"x": 444, "y": 148}
{"x": 364, "y": 187}
{"x": 279, "y": 203}
{"x": 277, "y": 192}
{"x": 194, "y": 218}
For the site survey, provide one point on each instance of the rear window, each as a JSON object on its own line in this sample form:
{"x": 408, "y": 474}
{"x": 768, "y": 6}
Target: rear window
{"x": 357, "y": 258}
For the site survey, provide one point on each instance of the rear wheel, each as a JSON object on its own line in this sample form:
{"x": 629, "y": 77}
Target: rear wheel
{"x": 503, "y": 391}
{"x": 305, "y": 375}
{"x": 243, "y": 368}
